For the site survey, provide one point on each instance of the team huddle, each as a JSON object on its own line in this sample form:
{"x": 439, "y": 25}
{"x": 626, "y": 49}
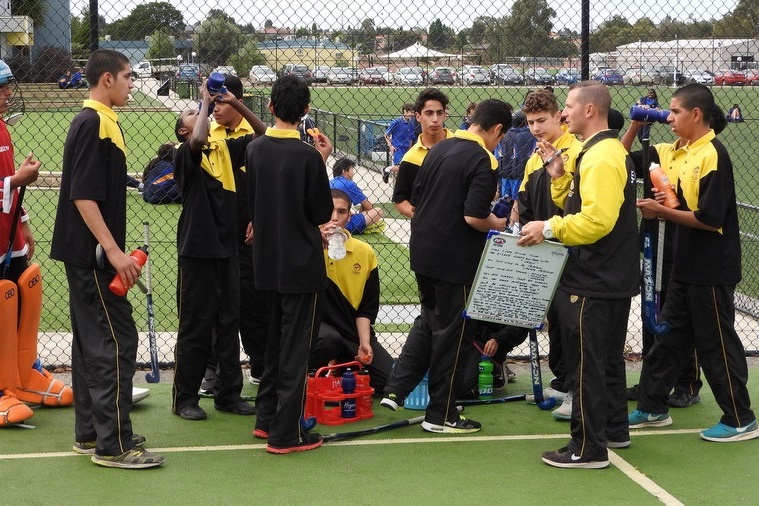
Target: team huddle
{"x": 259, "y": 211}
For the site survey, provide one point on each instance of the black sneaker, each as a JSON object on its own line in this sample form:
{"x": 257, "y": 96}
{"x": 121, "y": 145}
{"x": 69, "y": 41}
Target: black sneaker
{"x": 308, "y": 441}
{"x": 460, "y": 426}
{"x": 682, "y": 399}
{"x": 238, "y": 408}
{"x": 570, "y": 460}
{"x": 136, "y": 458}
{"x": 191, "y": 412}
{"x": 392, "y": 401}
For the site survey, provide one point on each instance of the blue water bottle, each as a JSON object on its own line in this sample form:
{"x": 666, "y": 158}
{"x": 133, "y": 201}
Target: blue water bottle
{"x": 348, "y": 406}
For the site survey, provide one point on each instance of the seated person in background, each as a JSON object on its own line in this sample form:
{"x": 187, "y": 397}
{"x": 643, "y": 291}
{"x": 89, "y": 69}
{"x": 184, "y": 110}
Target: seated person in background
{"x": 734, "y": 115}
{"x": 351, "y": 304}
{"x": 496, "y": 341}
{"x": 343, "y": 172}
{"x": 159, "y": 186}
{"x": 650, "y": 101}
{"x": 77, "y": 81}
{"x": 64, "y": 80}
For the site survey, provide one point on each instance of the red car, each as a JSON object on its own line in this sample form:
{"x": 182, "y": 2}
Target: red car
{"x": 730, "y": 77}
{"x": 371, "y": 75}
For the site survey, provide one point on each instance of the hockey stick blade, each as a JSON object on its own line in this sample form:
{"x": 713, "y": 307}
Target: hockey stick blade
{"x": 537, "y": 379}
{"x": 340, "y": 436}
{"x": 649, "y": 303}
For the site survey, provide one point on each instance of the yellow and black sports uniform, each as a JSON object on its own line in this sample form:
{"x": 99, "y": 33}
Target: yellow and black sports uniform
{"x": 289, "y": 197}
{"x": 104, "y": 348}
{"x": 353, "y": 292}
{"x": 592, "y": 301}
{"x": 536, "y": 204}
{"x": 458, "y": 178}
{"x": 700, "y": 300}
{"x": 409, "y": 168}
{"x": 208, "y": 284}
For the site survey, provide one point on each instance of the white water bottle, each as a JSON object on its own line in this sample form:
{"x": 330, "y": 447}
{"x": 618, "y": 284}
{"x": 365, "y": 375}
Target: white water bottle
{"x": 336, "y": 248}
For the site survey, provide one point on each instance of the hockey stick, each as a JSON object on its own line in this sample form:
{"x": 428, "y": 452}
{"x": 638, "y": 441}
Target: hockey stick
{"x": 537, "y": 377}
{"x": 154, "y": 376}
{"x": 496, "y": 400}
{"x": 14, "y": 226}
{"x": 650, "y": 302}
{"x": 340, "y": 436}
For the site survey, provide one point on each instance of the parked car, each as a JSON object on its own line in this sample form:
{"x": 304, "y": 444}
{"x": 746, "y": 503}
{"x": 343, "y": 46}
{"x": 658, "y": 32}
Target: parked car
{"x": 441, "y": 75}
{"x": 752, "y": 77}
{"x": 407, "y": 75}
{"x": 188, "y": 71}
{"x": 474, "y": 74}
{"x": 454, "y": 73}
{"x": 296, "y": 69}
{"x": 319, "y": 74}
{"x": 730, "y": 77}
{"x": 225, "y": 69}
{"x": 640, "y": 75}
{"x": 386, "y": 74}
{"x": 538, "y": 75}
{"x": 371, "y": 75}
{"x": 261, "y": 74}
{"x": 698, "y": 76}
{"x": 341, "y": 75}
{"x": 505, "y": 74}
{"x": 567, "y": 76}
{"x": 666, "y": 74}
{"x": 610, "y": 77}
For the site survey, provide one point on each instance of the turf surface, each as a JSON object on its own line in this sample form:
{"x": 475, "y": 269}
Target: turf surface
{"x": 217, "y": 460}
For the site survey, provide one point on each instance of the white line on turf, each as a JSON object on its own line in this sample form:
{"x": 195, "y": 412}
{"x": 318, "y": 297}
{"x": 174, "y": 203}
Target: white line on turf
{"x": 355, "y": 442}
{"x": 644, "y": 481}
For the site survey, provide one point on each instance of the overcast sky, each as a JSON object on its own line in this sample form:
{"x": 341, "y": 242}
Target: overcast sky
{"x": 457, "y": 14}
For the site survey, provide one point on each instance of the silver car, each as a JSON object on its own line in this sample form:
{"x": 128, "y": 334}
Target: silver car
{"x": 408, "y": 75}
{"x": 698, "y": 76}
{"x": 261, "y": 74}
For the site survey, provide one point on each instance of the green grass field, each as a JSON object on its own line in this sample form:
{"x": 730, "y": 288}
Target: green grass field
{"x": 217, "y": 461}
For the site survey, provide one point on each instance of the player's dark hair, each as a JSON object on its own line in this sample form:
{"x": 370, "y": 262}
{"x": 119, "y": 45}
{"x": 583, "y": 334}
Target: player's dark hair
{"x": 719, "y": 121}
{"x": 408, "y": 106}
{"x": 165, "y": 153}
{"x": 342, "y": 165}
{"x": 290, "y": 97}
{"x": 177, "y": 127}
{"x": 430, "y": 94}
{"x": 492, "y": 112}
{"x": 471, "y": 107}
{"x": 233, "y": 85}
{"x": 340, "y": 194}
{"x": 102, "y": 61}
{"x": 696, "y": 95}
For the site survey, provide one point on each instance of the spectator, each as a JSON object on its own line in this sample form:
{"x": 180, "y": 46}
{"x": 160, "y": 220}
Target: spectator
{"x": 351, "y": 304}
{"x": 77, "y": 81}
{"x": 65, "y": 80}
{"x": 400, "y": 133}
{"x": 467, "y": 119}
{"x": 649, "y": 101}
{"x": 734, "y": 115}
{"x": 343, "y": 172}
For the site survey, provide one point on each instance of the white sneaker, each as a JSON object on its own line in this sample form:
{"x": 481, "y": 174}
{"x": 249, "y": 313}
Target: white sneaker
{"x": 564, "y": 412}
{"x": 547, "y": 392}
{"x": 139, "y": 394}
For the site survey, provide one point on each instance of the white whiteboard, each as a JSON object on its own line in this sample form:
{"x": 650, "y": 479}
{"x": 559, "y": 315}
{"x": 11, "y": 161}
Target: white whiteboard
{"x": 515, "y": 284}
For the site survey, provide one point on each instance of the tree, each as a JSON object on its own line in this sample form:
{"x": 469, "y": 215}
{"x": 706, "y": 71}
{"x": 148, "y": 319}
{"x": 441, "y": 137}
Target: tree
{"x": 268, "y": 23}
{"x": 35, "y": 9}
{"x": 161, "y": 46}
{"x": 146, "y": 19}
{"x": 80, "y": 34}
{"x": 440, "y": 35}
{"x": 218, "y": 39}
{"x": 246, "y": 57}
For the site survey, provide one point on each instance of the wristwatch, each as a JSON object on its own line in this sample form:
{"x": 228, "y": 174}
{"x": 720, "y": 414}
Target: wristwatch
{"x": 547, "y": 231}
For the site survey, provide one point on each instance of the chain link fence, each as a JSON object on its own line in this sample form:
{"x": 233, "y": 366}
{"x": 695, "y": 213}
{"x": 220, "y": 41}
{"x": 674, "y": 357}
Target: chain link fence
{"x": 658, "y": 45}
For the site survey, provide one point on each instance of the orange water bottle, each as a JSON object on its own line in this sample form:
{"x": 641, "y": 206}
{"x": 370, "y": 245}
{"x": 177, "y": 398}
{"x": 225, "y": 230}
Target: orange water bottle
{"x": 661, "y": 184}
{"x": 140, "y": 255}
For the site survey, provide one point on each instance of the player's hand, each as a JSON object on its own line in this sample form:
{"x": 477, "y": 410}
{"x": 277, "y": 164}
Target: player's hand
{"x": 322, "y": 144}
{"x": 649, "y": 208}
{"x": 326, "y": 230}
{"x": 125, "y": 266}
{"x": 365, "y": 354}
{"x": 27, "y": 172}
{"x": 531, "y": 234}
{"x": 490, "y": 347}
{"x": 249, "y": 233}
